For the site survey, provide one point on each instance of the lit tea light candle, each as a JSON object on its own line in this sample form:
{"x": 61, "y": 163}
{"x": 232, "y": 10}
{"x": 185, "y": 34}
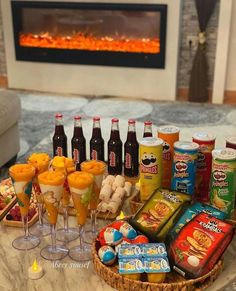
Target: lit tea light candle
{"x": 35, "y": 271}
{"x": 121, "y": 216}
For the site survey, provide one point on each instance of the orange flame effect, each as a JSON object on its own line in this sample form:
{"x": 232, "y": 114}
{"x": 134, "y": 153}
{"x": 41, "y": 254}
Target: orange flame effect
{"x": 85, "y": 42}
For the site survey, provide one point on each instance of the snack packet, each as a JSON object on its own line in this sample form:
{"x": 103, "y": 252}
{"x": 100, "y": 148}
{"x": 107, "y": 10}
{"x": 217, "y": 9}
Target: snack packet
{"x": 156, "y": 217}
{"x": 199, "y": 245}
{"x": 191, "y": 212}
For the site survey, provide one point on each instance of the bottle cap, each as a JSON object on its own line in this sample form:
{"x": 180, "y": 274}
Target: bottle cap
{"x": 131, "y": 121}
{"x": 77, "y": 117}
{"x": 96, "y": 118}
{"x": 148, "y": 122}
{"x": 115, "y": 120}
{"x": 59, "y": 115}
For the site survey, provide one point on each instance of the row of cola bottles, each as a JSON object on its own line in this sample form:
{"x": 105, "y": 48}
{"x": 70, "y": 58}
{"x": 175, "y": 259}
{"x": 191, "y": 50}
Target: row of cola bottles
{"x": 115, "y": 146}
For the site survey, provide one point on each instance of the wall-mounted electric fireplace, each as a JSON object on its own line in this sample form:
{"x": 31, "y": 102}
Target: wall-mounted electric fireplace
{"x": 109, "y": 34}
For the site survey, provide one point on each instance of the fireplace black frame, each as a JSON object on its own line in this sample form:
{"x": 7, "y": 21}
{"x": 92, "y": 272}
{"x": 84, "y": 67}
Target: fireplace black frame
{"x": 85, "y": 57}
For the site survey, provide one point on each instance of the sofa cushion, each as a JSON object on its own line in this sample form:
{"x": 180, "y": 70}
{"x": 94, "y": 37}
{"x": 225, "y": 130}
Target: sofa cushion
{"x": 10, "y": 109}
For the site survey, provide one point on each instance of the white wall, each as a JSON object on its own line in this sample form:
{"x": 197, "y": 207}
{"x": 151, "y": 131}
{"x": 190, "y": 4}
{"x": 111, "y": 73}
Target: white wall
{"x": 231, "y": 70}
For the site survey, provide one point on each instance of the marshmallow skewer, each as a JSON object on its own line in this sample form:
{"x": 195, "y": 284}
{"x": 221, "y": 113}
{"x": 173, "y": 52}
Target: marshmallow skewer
{"x": 105, "y": 192}
{"x": 128, "y": 187}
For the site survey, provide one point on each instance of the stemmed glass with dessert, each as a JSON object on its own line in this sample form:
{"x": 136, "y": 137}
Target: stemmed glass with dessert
{"x": 51, "y": 185}
{"x": 40, "y": 161}
{"x": 97, "y": 169}
{"x": 81, "y": 185}
{"x": 65, "y": 166}
{"x": 22, "y": 176}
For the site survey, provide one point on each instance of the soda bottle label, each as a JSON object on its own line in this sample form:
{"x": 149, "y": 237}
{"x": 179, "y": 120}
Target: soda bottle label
{"x": 76, "y": 155}
{"x": 59, "y": 151}
{"x": 128, "y": 161}
{"x": 94, "y": 155}
{"x": 112, "y": 159}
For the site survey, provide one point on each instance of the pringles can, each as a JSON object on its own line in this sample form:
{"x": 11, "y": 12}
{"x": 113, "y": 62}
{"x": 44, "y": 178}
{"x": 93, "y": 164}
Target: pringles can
{"x": 169, "y": 134}
{"x": 150, "y": 166}
{"x": 206, "y": 144}
{"x": 231, "y": 142}
{"x": 184, "y": 166}
{"x": 223, "y": 180}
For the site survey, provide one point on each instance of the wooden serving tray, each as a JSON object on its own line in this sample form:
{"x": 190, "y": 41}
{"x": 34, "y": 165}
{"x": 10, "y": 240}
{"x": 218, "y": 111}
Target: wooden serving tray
{"x": 19, "y": 223}
{"x": 4, "y": 211}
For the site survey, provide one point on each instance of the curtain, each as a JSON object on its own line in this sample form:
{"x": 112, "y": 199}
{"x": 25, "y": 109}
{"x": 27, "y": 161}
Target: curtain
{"x": 199, "y": 75}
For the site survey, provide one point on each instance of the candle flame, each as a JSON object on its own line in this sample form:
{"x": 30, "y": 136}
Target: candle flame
{"x": 35, "y": 265}
{"x": 121, "y": 216}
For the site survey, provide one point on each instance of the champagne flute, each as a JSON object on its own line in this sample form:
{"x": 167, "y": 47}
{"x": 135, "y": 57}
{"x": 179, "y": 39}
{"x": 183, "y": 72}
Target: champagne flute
{"x": 81, "y": 184}
{"x": 22, "y": 176}
{"x": 41, "y": 163}
{"x": 96, "y": 168}
{"x": 51, "y": 185}
{"x": 66, "y": 166}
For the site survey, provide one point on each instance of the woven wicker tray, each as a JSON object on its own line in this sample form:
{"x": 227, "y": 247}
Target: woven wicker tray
{"x": 174, "y": 282}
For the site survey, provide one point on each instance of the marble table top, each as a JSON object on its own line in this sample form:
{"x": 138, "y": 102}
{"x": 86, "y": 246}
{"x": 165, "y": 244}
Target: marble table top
{"x": 67, "y": 275}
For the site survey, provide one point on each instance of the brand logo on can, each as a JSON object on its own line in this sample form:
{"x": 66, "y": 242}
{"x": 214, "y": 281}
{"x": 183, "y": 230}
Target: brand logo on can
{"x": 112, "y": 158}
{"x": 181, "y": 168}
{"x": 59, "y": 151}
{"x": 76, "y": 155}
{"x": 149, "y": 163}
{"x": 128, "y": 161}
{"x": 166, "y": 151}
{"x": 94, "y": 155}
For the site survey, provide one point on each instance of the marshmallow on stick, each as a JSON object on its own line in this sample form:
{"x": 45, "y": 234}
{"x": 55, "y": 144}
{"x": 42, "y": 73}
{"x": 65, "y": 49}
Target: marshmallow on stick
{"x": 118, "y": 195}
{"x": 105, "y": 192}
{"x": 119, "y": 182}
{"x": 128, "y": 187}
{"x": 113, "y": 206}
{"x": 108, "y": 180}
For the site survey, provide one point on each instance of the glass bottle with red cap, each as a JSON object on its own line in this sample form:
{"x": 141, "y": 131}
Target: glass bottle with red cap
{"x": 147, "y": 129}
{"x": 131, "y": 154}
{"x": 59, "y": 138}
{"x": 114, "y": 149}
{"x": 96, "y": 141}
{"x": 78, "y": 143}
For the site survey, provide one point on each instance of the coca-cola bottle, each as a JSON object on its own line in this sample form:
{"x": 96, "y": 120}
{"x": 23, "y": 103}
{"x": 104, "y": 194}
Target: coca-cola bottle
{"x": 114, "y": 149}
{"x": 131, "y": 166}
{"x": 96, "y": 141}
{"x": 59, "y": 138}
{"x": 147, "y": 129}
{"x": 78, "y": 143}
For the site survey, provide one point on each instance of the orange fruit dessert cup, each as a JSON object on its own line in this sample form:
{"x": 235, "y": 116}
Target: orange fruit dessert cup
{"x": 51, "y": 205}
{"x": 41, "y": 163}
{"x": 22, "y": 176}
{"x": 66, "y": 166}
{"x": 51, "y": 185}
{"x": 96, "y": 168}
{"x": 81, "y": 184}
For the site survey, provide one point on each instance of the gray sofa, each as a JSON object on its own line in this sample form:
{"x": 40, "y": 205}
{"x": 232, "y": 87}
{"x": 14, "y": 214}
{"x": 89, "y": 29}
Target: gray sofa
{"x": 10, "y": 112}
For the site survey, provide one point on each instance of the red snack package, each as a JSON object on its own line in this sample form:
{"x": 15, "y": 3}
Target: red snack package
{"x": 199, "y": 245}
